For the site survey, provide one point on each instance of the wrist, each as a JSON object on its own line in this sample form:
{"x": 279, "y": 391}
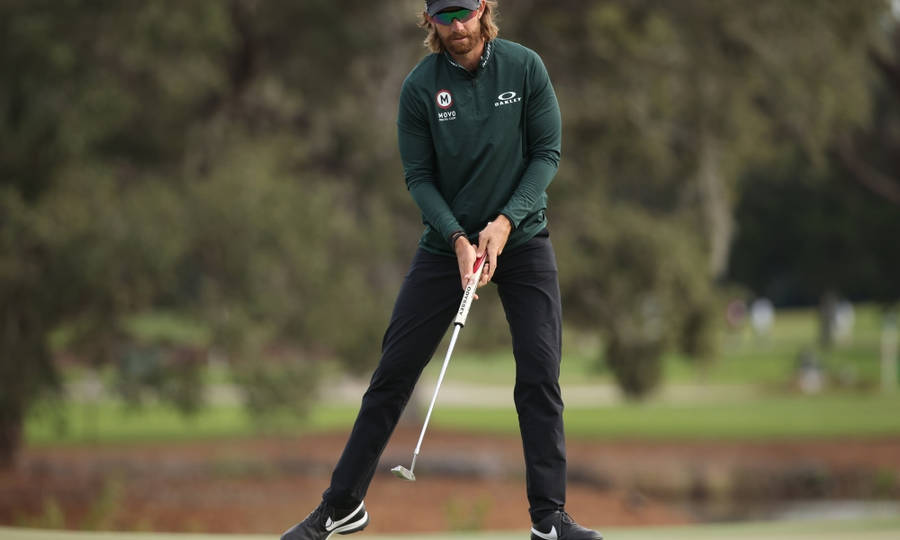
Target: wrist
{"x": 455, "y": 240}
{"x": 507, "y": 223}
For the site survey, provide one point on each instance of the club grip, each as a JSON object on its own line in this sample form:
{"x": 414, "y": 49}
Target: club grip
{"x": 469, "y": 293}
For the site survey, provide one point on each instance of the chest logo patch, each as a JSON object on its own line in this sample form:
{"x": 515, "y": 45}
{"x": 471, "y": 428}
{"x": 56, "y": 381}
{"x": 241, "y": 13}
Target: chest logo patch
{"x": 443, "y": 99}
{"x": 507, "y": 98}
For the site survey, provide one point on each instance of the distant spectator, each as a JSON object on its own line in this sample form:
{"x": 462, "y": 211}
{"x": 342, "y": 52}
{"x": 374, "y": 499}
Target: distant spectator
{"x": 844, "y": 320}
{"x": 762, "y": 316}
{"x": 736, "y": 314}
{"x": 810, "y": 378}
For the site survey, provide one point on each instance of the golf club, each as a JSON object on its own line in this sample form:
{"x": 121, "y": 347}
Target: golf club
{"x": 460, "y": 321}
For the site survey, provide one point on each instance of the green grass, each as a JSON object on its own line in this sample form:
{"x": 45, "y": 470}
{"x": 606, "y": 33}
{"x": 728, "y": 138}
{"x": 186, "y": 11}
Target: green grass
{"x": 113, "y": 422}
{"x": 765, "y": 365}
{"x": 771, "y": 418}
{"x": 878, "y": 529}
{"x": 744, "y": 358}
{"x": 826, "y": 416}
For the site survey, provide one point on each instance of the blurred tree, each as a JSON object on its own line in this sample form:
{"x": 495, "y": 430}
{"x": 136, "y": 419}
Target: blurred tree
{"x": 26, "y": 367}
{"x": 636, "y": 281}
{"x": 814, "y": 232}
{"x": 871, "y": 155}
{"x": 670, "y": 99}
{"x": 807, "y": 232}
{"x": 181, "y": 157}
{"x": 664, "y": 105}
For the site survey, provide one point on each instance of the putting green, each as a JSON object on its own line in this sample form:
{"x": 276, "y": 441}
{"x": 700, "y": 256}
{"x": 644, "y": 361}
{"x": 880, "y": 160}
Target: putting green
{"x": 882, "y": 529}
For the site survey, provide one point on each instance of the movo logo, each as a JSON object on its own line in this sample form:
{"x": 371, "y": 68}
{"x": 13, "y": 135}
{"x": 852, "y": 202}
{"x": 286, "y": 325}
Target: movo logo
{"x": 444, "y": 99}
{"x": 507, "y": 98}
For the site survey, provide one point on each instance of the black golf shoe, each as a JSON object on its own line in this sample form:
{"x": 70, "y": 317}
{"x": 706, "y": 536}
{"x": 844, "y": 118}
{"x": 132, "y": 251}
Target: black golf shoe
{"x": 324, "y": 522}
{"x": 561, "y": 526}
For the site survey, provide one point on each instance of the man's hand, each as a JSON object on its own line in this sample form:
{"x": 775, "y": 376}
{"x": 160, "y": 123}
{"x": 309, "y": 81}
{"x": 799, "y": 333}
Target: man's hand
{"x": 491, "y": 240}
{"x": 465, "y": 258}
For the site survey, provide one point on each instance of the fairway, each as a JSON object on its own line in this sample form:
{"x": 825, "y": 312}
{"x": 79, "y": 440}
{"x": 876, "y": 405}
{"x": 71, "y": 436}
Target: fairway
{"x": 799, "y": 530}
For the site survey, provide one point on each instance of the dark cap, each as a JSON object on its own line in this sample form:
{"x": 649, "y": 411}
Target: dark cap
{"x": 436, "y": 6}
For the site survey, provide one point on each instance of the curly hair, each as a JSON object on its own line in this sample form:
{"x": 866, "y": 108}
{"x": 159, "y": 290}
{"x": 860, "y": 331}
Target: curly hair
{"x": 489, "y": 28}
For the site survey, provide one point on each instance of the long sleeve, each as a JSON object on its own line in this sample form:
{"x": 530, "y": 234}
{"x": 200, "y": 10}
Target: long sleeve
{"x": 417, "y": 155}
{"x": 543, "y": 139}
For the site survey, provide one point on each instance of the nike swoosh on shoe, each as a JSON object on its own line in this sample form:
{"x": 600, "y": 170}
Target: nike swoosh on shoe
{"x": 546, "y": 536}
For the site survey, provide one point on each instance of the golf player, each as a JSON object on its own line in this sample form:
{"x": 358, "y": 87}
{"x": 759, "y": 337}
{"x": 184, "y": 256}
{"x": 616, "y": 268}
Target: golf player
{"x": 479, "y": 135}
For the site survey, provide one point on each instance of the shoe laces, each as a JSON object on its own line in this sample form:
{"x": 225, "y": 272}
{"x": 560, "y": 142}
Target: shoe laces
{"x": 322, "y": 512}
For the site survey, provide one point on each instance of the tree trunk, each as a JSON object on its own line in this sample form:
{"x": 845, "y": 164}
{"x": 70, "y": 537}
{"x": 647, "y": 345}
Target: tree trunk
{"x": 10, "y": 435}
{"x": 25, "y": 369}
{"x": 715, "y": 203}
{"x": 827, "y": 319}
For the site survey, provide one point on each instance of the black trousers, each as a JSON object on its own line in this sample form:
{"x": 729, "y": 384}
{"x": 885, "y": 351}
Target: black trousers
{"x": 528, "y": 287}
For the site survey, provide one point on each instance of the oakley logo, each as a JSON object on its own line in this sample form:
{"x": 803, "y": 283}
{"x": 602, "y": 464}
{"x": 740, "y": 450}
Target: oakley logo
{"x": 444, "y": 99}
{"x": 507, "y": 98}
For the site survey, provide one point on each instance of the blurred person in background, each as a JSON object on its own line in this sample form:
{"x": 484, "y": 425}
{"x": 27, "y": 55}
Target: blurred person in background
{"x": 479, "y": 133}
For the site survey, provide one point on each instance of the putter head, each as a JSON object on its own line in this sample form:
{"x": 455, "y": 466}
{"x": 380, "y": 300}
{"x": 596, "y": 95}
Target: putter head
{"x": 404, "y": 473}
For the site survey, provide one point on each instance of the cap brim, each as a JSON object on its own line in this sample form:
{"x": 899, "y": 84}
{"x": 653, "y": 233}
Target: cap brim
{"x": 441, "y": 5}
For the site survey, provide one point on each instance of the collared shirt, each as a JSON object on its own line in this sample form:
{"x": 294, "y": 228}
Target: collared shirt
{"x": 478, "y": 144}
{"x": 482, "y": 62}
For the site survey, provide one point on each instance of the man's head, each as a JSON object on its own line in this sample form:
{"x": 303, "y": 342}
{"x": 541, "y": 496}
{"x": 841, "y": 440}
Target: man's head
{"x": 458, "y": 25}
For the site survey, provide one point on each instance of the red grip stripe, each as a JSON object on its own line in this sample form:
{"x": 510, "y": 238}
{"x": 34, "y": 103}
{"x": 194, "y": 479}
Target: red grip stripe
{"x": 478, "y": 261}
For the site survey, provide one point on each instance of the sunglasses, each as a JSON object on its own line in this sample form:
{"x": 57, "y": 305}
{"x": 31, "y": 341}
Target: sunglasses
{"x": 446, "y": 18}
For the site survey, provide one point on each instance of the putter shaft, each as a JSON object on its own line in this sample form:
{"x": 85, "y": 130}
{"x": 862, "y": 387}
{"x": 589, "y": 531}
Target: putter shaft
{"x": 458, "y": 323}
{"x": 436, "y": 389}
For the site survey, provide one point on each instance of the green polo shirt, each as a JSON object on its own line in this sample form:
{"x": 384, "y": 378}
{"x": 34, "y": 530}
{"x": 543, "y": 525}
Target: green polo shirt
{"x": 476, "y": 145}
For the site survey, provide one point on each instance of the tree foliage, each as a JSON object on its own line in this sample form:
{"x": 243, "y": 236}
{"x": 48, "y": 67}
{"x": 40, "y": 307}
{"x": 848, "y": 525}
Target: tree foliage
{"x": 666, "y": 106}
{"x": 807, "y": 232}
{"x": 636, "y": 281}
{"x": 668, "y": 101}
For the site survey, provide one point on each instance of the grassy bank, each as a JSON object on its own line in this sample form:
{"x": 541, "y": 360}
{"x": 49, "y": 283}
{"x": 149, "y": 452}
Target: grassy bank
{"x": 785, "y": 416}
{"x": 765, "y": 365}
